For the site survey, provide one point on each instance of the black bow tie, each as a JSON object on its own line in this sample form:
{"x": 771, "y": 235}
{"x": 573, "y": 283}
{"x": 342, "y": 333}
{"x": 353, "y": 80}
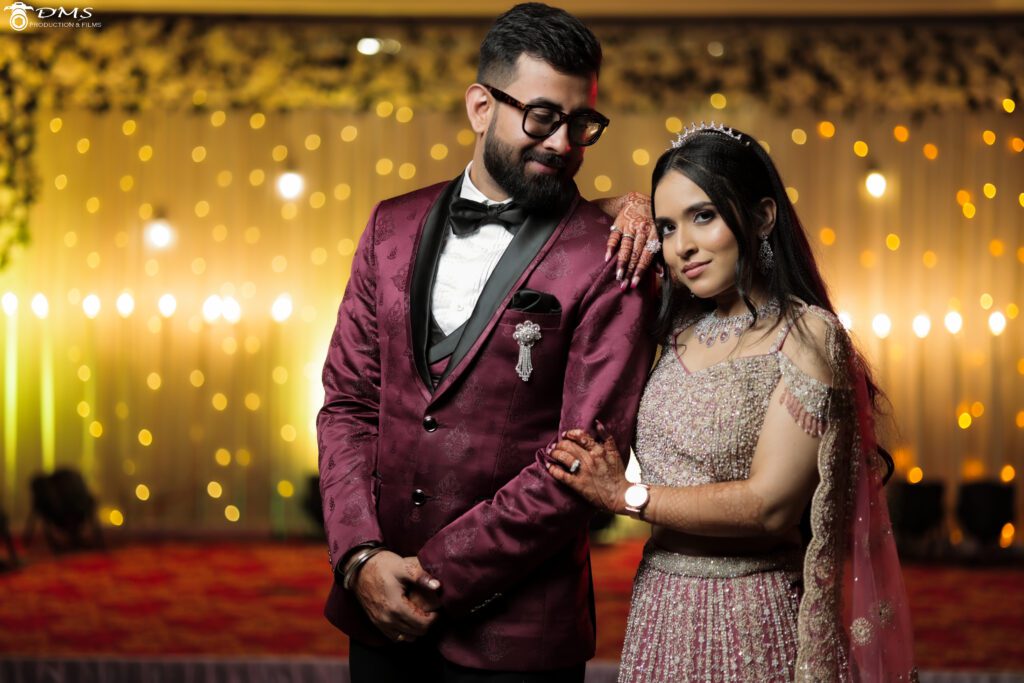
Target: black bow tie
{"x": 466, "y": 216}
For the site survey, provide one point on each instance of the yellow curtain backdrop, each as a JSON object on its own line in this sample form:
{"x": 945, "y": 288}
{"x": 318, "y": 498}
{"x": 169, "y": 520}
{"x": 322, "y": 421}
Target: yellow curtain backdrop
{"x": 200, "y": 418}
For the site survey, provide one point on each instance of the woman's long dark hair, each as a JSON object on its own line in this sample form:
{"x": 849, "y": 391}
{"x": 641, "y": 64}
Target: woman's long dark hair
{"x": 736, "y": 173}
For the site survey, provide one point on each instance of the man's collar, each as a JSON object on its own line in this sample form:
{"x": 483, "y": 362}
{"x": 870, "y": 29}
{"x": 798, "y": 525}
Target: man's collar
{"x": 470, "y": 191}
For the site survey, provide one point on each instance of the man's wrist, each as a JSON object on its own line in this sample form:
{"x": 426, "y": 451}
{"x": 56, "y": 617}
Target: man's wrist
{"x": 355, "y": 563}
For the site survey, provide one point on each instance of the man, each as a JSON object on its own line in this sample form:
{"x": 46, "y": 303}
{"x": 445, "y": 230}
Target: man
{"x": 479, "y": 322}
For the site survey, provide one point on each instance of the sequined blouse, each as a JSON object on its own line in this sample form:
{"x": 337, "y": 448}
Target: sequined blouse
{"x": 725, "y": 405}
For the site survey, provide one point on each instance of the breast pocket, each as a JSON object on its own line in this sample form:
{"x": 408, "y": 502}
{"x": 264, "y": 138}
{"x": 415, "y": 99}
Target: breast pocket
{"x": 545, "y": 321}
{"x": 532, "y": 347}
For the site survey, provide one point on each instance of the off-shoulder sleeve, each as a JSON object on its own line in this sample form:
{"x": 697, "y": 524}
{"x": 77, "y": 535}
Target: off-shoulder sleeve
{"x": 805, "y": 397}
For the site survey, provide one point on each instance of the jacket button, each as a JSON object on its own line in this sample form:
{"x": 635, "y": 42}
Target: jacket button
{"x": 419, "y": 497}
{"x": 429, "y": 423}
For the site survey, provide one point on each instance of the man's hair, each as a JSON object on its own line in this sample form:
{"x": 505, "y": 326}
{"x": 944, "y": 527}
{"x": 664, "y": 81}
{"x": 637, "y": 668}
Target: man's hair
{"x": 547, "y": 33}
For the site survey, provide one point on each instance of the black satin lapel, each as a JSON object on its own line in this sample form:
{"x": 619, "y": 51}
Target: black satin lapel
{"x": 424, "y": 268}
{"x": 520, "y": 253}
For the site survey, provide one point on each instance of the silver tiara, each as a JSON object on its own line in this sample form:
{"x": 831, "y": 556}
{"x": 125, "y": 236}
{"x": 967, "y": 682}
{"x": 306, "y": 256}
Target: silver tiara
{"x": 705, "y": 128}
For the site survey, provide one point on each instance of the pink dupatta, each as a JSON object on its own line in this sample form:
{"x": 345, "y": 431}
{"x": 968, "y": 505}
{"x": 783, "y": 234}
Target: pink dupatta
{"x": 854, "y": 622}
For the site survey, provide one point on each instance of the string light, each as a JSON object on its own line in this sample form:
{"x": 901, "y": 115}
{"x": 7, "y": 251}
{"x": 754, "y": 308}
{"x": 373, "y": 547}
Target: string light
{"x": 875, "y": 184}
{"x": 231, "y": 309}
{"x": 91, "y": 306}
{"x": 922, "y": 325}
{"x": 290, "y": 185}
{"x": 282, "y": 308}
{"x": 125, "y": 304}
{"x": 167, "y": 305}
{"x": 10, "y": 303}
{"x": 368, "y": 46}
{"x": 159, "y": 234}
{"x": 213, "y": 308}
{"x": 40, "y": 306}
{"x": 997, "y": 323}
{"x": 882, "y": 325}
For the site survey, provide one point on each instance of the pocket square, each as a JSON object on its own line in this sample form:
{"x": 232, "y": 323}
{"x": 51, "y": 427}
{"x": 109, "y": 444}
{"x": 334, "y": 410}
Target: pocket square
{"x": 532, "y": 301}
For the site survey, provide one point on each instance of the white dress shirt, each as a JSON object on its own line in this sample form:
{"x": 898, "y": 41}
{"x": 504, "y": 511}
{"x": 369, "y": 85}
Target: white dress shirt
{"x": 465, "y": 264}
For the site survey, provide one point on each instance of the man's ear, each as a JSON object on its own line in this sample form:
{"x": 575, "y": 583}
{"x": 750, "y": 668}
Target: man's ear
{"x": 766, "y": 214}
{"x": 479, "y": 108}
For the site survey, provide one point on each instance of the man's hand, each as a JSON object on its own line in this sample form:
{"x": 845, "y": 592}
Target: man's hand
{"x": 422, "y": 593}
{"x": 397, "y": 595}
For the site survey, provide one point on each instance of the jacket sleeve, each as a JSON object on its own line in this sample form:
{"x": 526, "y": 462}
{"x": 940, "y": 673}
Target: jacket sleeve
{"x": 347, "y": 424}
{"x": 498, "y": 542}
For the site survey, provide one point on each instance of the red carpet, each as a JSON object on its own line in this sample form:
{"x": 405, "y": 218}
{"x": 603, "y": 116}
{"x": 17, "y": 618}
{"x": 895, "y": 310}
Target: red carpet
{"x": 248, "y": 599}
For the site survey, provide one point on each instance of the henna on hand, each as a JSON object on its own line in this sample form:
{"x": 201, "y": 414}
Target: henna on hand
{"x": 381, "y": 588}
{"x": 633, "y": 225}
{"x": 635, "y": 219}
{"x": 642, "y": 257}
{"x": 600, "y": 477}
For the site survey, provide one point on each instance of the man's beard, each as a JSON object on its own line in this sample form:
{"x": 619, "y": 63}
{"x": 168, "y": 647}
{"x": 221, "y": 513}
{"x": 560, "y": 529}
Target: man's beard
{"x": 536, "y": 192}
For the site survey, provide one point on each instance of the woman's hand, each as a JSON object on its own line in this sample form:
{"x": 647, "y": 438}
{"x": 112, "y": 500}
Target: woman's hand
{"x": 599, "y": 476}
{"x": 631, "y": 235}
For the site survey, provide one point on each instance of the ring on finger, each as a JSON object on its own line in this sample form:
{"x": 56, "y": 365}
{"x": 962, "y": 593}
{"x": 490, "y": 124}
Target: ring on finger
{"x": 615, "y": 228}
{"x": 653, "y": 246}
{"x": 627, "y": 236}
{"x": 575, "y": 467}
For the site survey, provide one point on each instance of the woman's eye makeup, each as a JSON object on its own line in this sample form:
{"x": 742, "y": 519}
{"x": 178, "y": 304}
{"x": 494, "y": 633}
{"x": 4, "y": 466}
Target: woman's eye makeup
{"x": 704, "y": 216}
{"x": 666, "y": 228}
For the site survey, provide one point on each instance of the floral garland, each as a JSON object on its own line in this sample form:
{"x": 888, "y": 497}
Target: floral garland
{"x": 183, "y": 63}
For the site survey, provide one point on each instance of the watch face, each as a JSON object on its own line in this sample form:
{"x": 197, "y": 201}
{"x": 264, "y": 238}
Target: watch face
{"x": 636, "y": 496}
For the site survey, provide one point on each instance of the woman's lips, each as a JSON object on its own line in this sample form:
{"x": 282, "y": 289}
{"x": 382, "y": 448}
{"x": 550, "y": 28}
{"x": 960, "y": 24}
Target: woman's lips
{"x": 694, "y": 270}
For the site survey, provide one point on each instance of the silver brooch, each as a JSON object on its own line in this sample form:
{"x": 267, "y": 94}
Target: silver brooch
{"x": 527, "y": 334}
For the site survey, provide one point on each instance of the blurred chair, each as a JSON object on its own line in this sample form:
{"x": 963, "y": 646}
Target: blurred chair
{"x": 5, "y": 537}
{"x": 983, "y": 508}
{"x": 918, "y": 514}
{"x": 62, "y": 503}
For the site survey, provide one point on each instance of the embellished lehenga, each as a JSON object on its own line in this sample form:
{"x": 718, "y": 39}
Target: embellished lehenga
{"x": 793, "y": 614}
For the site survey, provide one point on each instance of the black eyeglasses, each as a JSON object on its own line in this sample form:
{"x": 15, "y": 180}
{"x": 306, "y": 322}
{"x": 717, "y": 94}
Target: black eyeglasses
{"x": 541, "y": 121}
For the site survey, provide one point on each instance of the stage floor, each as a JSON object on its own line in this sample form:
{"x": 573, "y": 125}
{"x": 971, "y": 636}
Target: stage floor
{"x": 248, "y": 599}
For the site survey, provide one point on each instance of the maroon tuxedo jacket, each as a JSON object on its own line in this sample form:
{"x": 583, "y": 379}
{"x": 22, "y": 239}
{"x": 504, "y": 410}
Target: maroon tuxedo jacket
{"x": 455, "y": 474}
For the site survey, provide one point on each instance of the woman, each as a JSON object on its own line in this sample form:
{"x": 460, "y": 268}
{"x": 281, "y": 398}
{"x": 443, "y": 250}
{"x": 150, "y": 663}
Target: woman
{"x": 759, "y": 414}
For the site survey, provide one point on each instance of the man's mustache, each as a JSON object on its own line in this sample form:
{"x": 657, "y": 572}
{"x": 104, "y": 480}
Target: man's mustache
{"x": 552, "y": 160}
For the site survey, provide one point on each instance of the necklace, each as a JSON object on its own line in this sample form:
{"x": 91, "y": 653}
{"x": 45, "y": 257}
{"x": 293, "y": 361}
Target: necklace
{"x": 711, "y": 328}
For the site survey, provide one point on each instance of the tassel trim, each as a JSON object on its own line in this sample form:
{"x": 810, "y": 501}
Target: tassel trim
{"x": 810, "y": 423}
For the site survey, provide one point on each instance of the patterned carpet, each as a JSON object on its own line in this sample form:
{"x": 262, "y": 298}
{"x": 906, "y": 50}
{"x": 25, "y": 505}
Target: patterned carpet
{"x": 248, "y": 599}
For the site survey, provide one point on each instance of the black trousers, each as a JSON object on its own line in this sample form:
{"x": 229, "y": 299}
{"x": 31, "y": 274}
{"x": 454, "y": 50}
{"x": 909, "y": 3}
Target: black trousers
{"x": 420, "y": 662}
